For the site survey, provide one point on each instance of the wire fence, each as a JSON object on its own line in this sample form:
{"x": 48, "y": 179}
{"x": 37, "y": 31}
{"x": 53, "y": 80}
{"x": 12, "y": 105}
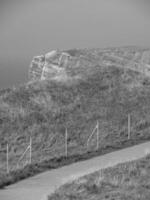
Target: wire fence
{"x": 10, "y": 161}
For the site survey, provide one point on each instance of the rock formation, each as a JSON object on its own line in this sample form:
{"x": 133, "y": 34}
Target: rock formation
{"x": 61, "y": 65}
{"x": 36, "y": 67}
{"x": 50, "y": 65}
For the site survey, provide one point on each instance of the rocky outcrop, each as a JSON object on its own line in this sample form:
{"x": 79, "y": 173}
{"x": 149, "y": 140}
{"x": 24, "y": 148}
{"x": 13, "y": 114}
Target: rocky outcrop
{"x": 62, "y": 65}
{"x": 48, "y": 66}
{"x": 36, "y": 67}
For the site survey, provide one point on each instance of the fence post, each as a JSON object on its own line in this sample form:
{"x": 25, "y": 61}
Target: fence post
{"x": 30, "y": 150}
{"x": 93, "y": 132}
{"x": 7, "y": 159}
{"x": 97, "y": 135}
{"x": 129, "y": 126}
{"x": 66, "y": 143}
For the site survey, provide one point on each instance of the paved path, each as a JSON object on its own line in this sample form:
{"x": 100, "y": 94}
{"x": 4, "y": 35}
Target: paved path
{"x": 39, "y": 186}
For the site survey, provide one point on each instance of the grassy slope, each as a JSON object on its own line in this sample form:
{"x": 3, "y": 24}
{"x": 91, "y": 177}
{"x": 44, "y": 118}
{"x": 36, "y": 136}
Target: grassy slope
{"x": 43, "y": 110}
{"x": 128, "y": 181}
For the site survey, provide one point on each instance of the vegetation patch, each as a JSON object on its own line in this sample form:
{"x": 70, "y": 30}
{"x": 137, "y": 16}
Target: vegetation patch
{"x": 129, "y": 180}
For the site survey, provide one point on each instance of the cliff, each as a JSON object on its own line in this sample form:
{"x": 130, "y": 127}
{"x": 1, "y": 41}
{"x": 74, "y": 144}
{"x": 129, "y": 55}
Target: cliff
{"x": 50, "y": 65}
{"x": 63, "y": 65}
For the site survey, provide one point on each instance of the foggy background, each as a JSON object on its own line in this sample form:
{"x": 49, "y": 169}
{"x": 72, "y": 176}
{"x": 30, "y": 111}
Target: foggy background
{"x": 34, "y": 27}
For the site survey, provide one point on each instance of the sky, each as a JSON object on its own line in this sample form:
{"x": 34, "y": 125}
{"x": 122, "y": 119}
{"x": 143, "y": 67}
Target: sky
{"x": 35, "y": 27}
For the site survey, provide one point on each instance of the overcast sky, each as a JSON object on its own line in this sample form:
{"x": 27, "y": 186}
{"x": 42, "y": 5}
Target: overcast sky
{"x": 34, "y": 27}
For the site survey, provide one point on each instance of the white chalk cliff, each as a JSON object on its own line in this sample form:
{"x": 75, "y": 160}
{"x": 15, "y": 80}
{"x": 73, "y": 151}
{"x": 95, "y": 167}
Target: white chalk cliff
{"x": 49, "y": 65}
{"x": 61, "y": 65}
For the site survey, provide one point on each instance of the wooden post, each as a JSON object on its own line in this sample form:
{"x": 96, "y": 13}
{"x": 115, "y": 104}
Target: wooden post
{"x": 97, "y": 135}
{"x": 66, "y": 143}
{"x": 7, "y": 159}
{"x": 129, "y": 126}
{"x": 30, "y": 150}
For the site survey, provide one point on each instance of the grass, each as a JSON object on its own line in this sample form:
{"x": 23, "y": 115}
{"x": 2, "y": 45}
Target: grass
{"x": 127, "y": 181}
{"x": 43, "y": 110}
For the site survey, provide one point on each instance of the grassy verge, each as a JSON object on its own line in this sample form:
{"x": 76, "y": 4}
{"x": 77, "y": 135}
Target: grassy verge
{"x": 127, "y": 181}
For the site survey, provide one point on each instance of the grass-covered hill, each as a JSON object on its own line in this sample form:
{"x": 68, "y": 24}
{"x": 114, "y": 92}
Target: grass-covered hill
{"x": 105, "y": 87}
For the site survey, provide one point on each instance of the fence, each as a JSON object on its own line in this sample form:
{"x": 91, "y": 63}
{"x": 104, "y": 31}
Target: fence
{"x": 26, "y": 156}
